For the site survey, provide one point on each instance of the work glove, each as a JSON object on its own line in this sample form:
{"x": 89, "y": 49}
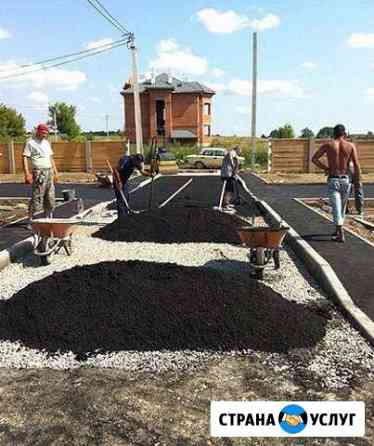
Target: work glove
{"x": 28, "y": 178}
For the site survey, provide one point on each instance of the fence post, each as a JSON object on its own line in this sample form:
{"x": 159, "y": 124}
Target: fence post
{"x": 311, "y": 152}
{"x": 11, "y": 157}
{"x": 269, "y": 155}
{"x": 88, "y": 156}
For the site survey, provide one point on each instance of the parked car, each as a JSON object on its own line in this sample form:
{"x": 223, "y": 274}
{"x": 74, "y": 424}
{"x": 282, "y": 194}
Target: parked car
{"x": 210, "y": 158}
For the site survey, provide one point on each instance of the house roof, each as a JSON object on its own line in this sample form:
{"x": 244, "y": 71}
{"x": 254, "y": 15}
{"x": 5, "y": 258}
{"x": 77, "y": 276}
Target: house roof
{"x": 165, "y": 82}
{"x": 183, "y": 134}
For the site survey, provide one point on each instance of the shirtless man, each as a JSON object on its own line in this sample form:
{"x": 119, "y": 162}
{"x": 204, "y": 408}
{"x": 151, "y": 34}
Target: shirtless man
{"x": 339, "y": 154}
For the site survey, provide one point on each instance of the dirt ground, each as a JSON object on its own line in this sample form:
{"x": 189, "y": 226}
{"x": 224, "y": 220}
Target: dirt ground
{"x": 64, "y": 177}
{"x": 116, "y": 408}
{"x": 11, "y": 210}
{"x": 304, "y": 178}
{"x": 349, "y": 223}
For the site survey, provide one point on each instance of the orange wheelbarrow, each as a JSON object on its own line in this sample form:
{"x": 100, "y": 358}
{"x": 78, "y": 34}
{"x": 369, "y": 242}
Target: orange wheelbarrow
{"x": 264, "y": 244}
{"x": 51, "y": 235}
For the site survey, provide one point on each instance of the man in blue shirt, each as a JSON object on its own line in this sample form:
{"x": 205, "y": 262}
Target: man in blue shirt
{"x": 126, "y": 166}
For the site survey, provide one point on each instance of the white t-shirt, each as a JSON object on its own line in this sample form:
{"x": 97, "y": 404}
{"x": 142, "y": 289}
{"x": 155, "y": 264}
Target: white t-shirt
{"x": 39, "y": 152}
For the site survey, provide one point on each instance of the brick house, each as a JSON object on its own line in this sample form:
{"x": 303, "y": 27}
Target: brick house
{"x": 177, "y": 110}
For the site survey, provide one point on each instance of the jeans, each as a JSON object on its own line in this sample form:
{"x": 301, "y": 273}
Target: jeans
{"x": 121, "y": 205}
{"x": 338, "y": 190}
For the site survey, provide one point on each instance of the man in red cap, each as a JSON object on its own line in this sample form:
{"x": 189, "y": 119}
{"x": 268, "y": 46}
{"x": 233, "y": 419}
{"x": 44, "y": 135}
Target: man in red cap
{"x": 44, "y": 172}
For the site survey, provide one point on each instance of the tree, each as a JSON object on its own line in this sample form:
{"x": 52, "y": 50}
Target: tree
{"x": 307, "y": 133}
{"x": 274, "y": 133}
{"x": 65, "y": 119}
{"x": 286, "y": 131}
{"x": 12, "y": 124}
{"x": 370, "y": 134}
{"x": 283, "y": 132}
{"x": 326, "y": 132}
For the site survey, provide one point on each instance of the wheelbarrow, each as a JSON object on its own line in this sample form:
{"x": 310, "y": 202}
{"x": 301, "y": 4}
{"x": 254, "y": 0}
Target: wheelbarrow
{"x": 51, "y": 235}
{"x": 264, "y": 244}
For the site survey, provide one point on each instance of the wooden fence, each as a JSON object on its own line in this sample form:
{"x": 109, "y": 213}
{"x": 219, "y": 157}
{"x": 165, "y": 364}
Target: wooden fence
{"x": 88, "y": 156}
{"x": 295, "y": 155}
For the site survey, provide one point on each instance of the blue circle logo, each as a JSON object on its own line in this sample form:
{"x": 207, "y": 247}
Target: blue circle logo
{"x": 293, "y": 419}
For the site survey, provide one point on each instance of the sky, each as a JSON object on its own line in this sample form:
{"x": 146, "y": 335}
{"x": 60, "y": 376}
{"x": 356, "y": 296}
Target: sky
{"x": 315, "y": 59}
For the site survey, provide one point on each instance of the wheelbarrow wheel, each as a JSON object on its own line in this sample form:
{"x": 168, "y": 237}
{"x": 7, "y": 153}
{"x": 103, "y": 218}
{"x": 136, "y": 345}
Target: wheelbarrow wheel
{"x": 68, "y": 245}
{"x": 45, "y": 260}
{"x": 44, "y": 246}
{"x": 276, "y": 258}
{"x": 260, "y": 261}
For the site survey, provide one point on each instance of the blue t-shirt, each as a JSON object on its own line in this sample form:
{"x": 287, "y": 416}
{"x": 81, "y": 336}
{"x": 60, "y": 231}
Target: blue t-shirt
{"x": 126, "y": 167}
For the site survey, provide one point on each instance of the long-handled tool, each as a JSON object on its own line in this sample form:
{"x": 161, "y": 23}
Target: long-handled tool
{"x": 117, "y": 185}
{"x": 153, "y": 168}
{"x": 222, "y": 195}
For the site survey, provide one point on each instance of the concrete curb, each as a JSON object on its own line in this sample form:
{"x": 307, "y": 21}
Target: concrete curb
{"x": 324, "y": 274}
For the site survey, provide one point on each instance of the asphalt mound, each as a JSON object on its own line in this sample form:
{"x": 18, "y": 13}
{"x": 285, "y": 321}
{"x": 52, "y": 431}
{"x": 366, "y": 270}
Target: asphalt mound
{"x": 146, "y": 306}
{"x": 174, "y": 225}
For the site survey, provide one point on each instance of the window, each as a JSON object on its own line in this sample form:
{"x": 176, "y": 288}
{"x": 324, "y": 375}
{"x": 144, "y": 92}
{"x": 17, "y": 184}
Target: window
{"x": 207, "y": 108}
{"x": 206, "y": 130}
{"x": 219, "y": 153}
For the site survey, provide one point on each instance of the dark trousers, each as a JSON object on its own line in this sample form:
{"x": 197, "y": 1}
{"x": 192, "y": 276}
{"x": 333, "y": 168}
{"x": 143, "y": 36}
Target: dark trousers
{"x": 122, "y": 208}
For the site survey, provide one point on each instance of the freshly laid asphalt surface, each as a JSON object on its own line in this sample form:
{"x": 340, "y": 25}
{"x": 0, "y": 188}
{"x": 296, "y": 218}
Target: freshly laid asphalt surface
{"x": 149, "y": 306}
{"x": 352, "y": 261}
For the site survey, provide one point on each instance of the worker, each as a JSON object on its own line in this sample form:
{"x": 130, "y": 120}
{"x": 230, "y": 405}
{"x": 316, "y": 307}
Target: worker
{"x": 43, "y": 173}
{"x": 339, "y": 153}
{"x": 229, "y": 172}
{"x": 126, "y": 166}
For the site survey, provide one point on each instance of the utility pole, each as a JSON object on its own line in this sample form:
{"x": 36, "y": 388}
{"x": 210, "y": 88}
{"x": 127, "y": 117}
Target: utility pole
{"x": 254, "y": 99}
{"x": 107, "y": 125}
{"x": 135, "y": 87}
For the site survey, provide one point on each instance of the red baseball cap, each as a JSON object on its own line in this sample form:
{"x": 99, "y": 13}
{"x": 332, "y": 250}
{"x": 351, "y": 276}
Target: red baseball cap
{"x": 42, "y": 128}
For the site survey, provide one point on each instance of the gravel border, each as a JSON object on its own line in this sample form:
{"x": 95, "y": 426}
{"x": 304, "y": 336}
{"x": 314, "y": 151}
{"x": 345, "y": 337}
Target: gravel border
{"x": 342, "y": 355}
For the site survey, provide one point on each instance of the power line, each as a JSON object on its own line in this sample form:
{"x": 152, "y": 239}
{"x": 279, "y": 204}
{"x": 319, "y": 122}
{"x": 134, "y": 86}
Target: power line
{"x": 93, "y": 53}
{"x": 110, "y": 15}
{"x": 66, "y": 56}
{"x": 100, "y": 8}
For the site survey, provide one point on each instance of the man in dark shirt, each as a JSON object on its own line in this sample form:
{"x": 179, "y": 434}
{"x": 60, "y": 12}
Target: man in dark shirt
{"x": 126, "y": 166}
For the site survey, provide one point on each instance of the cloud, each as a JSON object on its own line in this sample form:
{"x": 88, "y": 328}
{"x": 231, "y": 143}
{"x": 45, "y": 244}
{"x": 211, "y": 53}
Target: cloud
{"x": 168, "y": 45}
{"x": 217, "y": 72}
{"x": 217, "y": 87}
{"x": 38, "y": 97}
{"x": 361, "y": 40}
{"x": 55, "y": 77}
{"x": 230, "y": 21}
{"x": 290, "y": 89}
{"x": 268, "y": 22}
{"x": 4, "y": 34}
{"x": 171, "y": 56}
{"x": 96, "y": 43}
